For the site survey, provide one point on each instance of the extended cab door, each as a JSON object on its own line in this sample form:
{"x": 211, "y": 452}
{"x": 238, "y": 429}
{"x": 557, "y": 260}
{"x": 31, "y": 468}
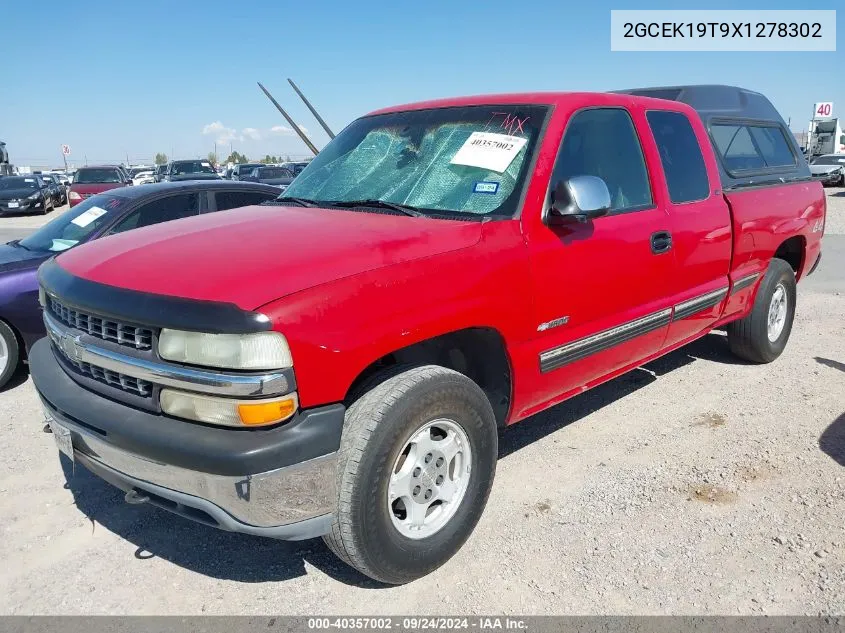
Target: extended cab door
{"x": 601, "y": 287}
{"x": 699, "y": 220}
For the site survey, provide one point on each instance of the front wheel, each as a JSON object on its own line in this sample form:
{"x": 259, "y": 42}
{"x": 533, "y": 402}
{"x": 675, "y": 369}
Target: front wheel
{"x": 762, "y": 335}
{"x": 415, "y": 468}
{"x": 9, "y": 354}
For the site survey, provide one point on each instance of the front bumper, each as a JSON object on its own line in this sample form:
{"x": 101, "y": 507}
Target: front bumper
{"x": 278, "y": 482}
{"x": 23, "y": 207}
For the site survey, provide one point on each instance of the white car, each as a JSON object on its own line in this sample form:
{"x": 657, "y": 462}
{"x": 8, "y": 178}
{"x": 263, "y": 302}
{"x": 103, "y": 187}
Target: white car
{"x": 143, "y": 178}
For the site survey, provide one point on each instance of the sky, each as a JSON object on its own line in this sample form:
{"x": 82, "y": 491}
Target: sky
{"x": 117, "y": 80}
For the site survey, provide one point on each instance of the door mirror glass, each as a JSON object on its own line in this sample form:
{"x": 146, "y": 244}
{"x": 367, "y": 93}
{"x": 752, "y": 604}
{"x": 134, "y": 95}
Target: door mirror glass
{"x": 581, "y": 198}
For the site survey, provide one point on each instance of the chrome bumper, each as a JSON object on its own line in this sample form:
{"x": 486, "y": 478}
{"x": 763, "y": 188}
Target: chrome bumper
{"x": 292, "y": 503}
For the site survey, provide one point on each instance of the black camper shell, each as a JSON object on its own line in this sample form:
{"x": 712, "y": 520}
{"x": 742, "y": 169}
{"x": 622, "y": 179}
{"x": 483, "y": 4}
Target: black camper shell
{"x": 743, "y": 119}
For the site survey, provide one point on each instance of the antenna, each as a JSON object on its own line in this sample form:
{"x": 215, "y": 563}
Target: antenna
{"x": 304, "y": 138}
{"x": 313, "y": 111}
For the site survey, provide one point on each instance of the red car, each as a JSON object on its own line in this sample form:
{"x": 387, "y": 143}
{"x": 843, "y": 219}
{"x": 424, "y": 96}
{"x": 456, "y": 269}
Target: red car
{"x": 88, "y": 181}
{"x": 341, "y": 366}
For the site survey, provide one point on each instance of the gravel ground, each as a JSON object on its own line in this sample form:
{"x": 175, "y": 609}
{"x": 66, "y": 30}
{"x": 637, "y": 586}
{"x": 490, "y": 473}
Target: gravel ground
{"x": 697, "y": 485}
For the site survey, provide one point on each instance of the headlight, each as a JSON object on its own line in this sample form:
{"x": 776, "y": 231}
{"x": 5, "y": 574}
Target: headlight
{"x": 74, "y": 196}
{"x": 33, "y": 196}
{"x": 262, "y": 350}
{"x": 228, "y": 412}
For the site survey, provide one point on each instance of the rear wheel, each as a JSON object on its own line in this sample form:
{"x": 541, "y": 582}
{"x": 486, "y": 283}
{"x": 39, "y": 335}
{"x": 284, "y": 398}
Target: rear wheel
{"x": 762, "y": 335}
{"x": 415, "y": 468}
{"x": 9, "y": 354}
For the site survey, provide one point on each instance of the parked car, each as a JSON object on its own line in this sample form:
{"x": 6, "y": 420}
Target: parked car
{"x": 830, "y": 169}
{"x": 52, "y": 188}
{"x": 278, "y": 176}
{"x": 108, "y": 213}
{"x": 190, "y": 170}
{"x": 243, "y": 169}
{"x": 159, "y": 172}
{"x": 342, "y": 368}
{"x": 296, "y": 168}
{"x": 59, "y": 188}
{"x": 143, "y": 177}
{"x": 88, "y": 181}
{"x": 25, "y": 194}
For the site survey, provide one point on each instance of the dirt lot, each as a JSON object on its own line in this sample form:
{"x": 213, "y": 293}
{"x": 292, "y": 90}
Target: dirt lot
{"x": 696, "y": 485}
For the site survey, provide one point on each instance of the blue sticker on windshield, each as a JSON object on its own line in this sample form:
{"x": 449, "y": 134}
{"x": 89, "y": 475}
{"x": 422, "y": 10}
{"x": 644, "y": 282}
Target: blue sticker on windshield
{"x": 486, "y": 187}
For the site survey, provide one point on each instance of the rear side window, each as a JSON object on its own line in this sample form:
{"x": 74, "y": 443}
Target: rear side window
{"x": 235, "y": 199}
{"x": 749, "y": 147}
{"x": 680, "y": 155}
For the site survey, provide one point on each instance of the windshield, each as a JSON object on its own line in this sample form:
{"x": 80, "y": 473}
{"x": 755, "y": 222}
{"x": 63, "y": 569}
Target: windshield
{"x": 273, "y": 172}
{"x": 18, "y": 182}
{"x": 76, "y": 225}
{"x": 829, "y": 160}
{"x": 468, "y": 160}
{"x": 86, "y": 176}
{"x": 192, "y": 167}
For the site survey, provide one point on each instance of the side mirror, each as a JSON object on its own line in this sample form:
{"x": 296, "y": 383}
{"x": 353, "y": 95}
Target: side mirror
{"x": 579, "y": 198}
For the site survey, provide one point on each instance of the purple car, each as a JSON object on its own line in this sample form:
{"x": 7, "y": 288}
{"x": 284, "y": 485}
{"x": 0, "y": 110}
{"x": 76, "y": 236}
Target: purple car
{"x": 114, "y": 211}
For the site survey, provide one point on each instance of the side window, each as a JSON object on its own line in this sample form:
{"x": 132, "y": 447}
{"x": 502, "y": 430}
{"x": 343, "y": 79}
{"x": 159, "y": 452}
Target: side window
{"x": 680, "y": 155}
{"x": 157, "y": 211}
{"x": 773, "y": 146}
{"x": 235, "y": 199}
{"x": 603, "y": 142}
{"x": 751, "y": 147}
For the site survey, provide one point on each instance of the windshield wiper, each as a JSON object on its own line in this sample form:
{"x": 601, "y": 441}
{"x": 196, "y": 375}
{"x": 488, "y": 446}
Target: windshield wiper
{"x": 380, "y": 204}
{"x": 17, "y": 244}
{"x": 303, "y": 202}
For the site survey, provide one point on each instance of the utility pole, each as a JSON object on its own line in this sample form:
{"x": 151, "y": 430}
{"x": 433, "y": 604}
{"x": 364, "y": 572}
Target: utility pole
{"x": 295, "y": 127}
{"x": 313, "y": 111}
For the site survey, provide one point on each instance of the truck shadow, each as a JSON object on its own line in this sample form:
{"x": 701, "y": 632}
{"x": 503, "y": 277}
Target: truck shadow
{"x": 250, "y": 559}
{"x": 196, "y": 547}
{"x": 712, "y": 347}
{"x": 832, "y": 441}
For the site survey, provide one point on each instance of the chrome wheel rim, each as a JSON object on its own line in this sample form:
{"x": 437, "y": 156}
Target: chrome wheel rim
{"x": 777, "y": 313}
{"x": 4, "y": 355}
{"x": 429, "y": 479}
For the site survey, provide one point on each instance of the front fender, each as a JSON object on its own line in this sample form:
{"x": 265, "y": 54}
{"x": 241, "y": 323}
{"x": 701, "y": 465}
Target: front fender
{"x": 337, "y": 330}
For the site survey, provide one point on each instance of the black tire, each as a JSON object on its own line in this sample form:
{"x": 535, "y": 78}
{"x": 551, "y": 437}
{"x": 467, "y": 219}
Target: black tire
{"x": 10, "y": 341}
{"x": 749, "y": 338}
{"x": 377, "y": 427}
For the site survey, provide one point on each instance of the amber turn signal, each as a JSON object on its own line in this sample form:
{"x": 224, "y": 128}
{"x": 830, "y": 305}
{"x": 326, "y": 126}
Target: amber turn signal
{"x": 266, "y": 412}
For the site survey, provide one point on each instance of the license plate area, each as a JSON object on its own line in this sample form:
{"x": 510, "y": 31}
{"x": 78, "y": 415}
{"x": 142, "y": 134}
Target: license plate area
{"x": 14, "y": 205}
{"x": 62, "y": 436}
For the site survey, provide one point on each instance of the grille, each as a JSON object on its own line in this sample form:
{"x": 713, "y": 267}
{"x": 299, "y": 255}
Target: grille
{"x": 121, "y": 333}
{"x": 121, "y": 381}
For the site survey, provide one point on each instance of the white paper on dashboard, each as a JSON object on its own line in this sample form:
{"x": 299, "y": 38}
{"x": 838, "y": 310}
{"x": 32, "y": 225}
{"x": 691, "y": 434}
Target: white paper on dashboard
{"x": 489, "y": 150}
{"x": 89, "y": 216}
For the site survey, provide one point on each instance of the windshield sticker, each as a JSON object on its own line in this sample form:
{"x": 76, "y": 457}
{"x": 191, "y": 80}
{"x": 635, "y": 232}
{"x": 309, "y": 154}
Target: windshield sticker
{"x": 29, "y": 179}
{"x": 489, "y": 150}
{"x": 486, "y": 187}
{"x": 205, "y": 164}
{"x": 84, "y": 219}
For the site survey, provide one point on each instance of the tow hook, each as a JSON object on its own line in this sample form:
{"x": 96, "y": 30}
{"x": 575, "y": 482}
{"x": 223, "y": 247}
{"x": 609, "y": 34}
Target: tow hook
{"x": 133, "y": 497}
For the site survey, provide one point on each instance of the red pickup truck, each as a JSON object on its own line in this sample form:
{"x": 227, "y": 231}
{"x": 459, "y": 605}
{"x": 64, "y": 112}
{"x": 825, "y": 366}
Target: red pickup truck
{"x": 341, "y": 365}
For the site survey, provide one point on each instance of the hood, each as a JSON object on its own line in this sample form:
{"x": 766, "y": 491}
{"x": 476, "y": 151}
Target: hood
{"x": 182, "y": 177}
{"x": 17, "y": 258}
{"x": 253, "y": 255}
{"x": 275, "y": 181}
{"x": 824, "y": 169}
{"x": 15, "y": 194}
{"x": 94, "y": 187}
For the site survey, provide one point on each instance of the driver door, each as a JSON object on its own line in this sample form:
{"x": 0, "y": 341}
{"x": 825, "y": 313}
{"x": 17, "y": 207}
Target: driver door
{"x": 602, "y": 286}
